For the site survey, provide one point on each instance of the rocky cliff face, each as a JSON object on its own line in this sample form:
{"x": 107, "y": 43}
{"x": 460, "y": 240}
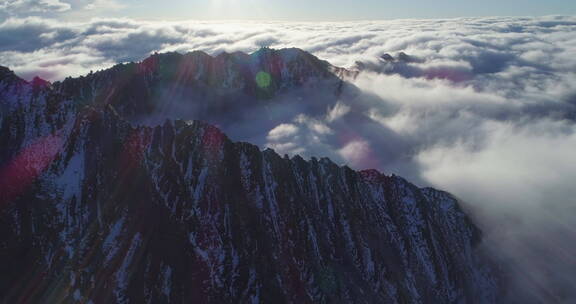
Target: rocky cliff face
{"x": 94, "y": 209}
{"x": 174, "y": 82}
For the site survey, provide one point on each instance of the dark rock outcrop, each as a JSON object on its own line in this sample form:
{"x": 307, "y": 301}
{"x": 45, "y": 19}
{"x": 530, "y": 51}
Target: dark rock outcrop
{"x": 95, "y": 209}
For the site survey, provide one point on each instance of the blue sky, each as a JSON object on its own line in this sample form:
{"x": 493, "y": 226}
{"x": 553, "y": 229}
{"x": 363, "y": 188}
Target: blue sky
{"x": 346, "y": 9}
{"x": 317, "y": 10}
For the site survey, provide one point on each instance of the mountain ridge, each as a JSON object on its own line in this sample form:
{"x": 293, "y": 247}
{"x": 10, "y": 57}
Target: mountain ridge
{"x": 99, "y": 209}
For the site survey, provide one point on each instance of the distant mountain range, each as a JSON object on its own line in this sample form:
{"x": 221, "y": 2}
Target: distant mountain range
{"x": 117, "y": 188}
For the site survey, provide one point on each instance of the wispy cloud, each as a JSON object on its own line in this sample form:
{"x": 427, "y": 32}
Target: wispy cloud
{"x": 33, "y": 6}
{"x": 105, "y": 5}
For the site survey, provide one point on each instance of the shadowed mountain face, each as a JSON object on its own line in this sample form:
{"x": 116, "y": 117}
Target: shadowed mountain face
{"x": 196, "y": 84}
{"x": 244, "y": 95}
{"x": 96, "y": 208}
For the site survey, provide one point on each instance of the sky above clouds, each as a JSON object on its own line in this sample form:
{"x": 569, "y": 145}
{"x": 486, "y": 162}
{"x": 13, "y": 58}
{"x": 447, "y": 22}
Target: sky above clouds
{"x": 328, "y": 10}
{"x": 486, "y": 110}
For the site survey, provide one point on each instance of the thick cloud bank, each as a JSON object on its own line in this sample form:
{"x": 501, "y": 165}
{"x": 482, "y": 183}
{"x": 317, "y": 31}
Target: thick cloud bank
{"x": 484, "y": 108}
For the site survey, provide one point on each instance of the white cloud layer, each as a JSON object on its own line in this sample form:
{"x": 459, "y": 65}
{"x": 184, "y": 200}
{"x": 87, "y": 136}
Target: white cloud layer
{"x": 104, "y": 5}
{"x": 33, "y": 6}
{"x": 484, "y": 108}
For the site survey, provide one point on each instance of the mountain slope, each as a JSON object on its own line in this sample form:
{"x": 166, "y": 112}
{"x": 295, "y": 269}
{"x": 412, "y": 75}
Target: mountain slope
{"x": 172, "y": 82}
{"x": 94, "y": 208}
{"x": 232, "y": 91}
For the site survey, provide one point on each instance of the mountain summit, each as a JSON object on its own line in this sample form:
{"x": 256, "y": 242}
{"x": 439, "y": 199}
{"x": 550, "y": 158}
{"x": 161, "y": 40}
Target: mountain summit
{"x": 226, "y": 90}
{"x": 198, "y": 78}
{"x": 97, "y": 208}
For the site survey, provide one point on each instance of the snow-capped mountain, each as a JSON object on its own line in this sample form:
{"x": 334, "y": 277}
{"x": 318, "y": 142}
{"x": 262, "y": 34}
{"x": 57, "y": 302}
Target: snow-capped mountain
{"x": 96, "y": 207}
{"x": 200, "y": 82}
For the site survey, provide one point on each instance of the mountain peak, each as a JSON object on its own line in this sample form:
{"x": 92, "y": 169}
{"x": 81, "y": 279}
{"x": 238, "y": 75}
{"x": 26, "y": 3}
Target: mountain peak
{"x": 175, "y": 211}
{"x": 7, "y": 75}
{"x": 196, "y": 82}
{"x": 286, "y": 55}
{"x": 164, "y": 208}
{"x": 39, "y": 83}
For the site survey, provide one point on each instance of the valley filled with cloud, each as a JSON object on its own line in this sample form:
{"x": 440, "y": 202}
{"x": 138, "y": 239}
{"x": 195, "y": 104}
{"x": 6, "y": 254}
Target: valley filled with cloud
{"x": 484, "y": 108}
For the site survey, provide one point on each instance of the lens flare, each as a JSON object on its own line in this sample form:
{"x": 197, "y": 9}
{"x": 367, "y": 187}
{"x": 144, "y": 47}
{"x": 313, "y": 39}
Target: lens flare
{"x": 28, "y": 165}
{"x": 263, "y": 80}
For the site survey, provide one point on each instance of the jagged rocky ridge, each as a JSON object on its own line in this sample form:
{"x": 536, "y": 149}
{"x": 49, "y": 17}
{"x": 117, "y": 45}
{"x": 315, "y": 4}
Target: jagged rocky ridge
{"x": 96, "y": 209}
{"x": 233, "y": 91}
{"x": 197, "y": 81}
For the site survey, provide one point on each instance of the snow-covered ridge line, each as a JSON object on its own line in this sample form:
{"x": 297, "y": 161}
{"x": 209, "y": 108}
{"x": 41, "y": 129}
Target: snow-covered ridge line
{"x": 178, "y": 212}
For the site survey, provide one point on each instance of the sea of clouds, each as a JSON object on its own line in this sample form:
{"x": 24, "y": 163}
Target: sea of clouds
{"x": 486, "y": 109}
